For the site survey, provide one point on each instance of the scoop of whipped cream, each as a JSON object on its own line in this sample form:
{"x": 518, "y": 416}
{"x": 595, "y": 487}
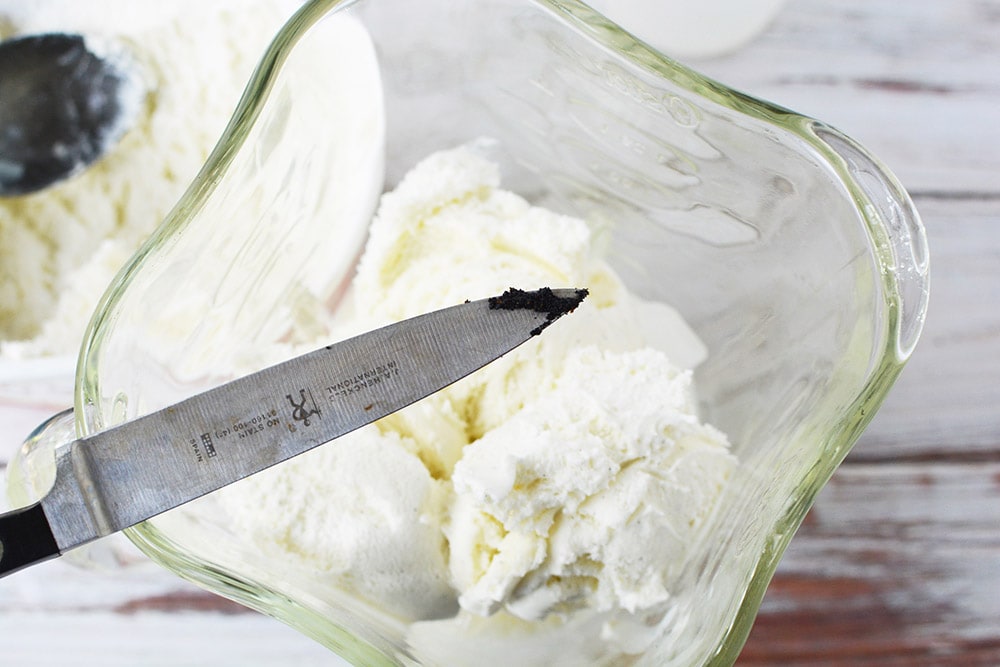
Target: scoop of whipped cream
{"x": 588, "y": 497}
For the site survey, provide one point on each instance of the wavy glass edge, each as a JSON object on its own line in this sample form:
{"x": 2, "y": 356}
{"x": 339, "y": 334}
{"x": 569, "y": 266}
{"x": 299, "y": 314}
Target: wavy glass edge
{"x": 897, "y": 263}
{"x": 245, "y": 590}
{"x": 902, "y": 317}
{"x": 244, "y": 116}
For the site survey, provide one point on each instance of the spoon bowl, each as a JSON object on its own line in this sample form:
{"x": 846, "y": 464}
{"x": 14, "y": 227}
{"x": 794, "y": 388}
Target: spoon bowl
{"x": 63, "y": 104}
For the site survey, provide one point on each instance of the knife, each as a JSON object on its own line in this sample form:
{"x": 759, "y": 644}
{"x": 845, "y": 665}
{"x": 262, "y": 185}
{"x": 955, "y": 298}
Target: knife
{"x": 127, "y": 474}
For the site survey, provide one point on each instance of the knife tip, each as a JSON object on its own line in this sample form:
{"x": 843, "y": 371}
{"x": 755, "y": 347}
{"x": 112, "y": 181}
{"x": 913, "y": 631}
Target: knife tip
{"x": 553, "y": 303}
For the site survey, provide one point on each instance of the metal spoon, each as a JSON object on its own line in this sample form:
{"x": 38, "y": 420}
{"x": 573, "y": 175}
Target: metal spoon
{"x": 62, "y": 106}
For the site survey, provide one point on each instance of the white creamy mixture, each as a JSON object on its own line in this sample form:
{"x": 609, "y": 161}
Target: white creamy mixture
{"x": 60, "y": 247}
{"x": 559, "y": 488}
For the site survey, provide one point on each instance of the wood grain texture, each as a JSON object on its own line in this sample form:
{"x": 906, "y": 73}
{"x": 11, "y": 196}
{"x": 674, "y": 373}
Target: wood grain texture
{"x": 899, "y": 561}
{"x": 946, "y": 405}
{"x": 918, "y": 83}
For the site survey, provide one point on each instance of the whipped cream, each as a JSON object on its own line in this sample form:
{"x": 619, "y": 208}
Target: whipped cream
{"x": 193, "y": 60}
{"x": 589, "y": 496}
{"x": 558, "y": 488}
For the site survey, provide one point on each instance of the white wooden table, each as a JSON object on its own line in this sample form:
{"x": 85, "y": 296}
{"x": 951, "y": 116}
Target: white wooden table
{"x": 899, "y": 562}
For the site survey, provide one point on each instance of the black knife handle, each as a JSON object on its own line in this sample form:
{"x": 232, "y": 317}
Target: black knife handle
{"x": 25, "y": 539}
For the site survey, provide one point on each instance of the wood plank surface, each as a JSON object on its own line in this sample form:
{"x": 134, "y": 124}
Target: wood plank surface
{"x": 916, "y": 82}
{"x": 897, "y": 564}
{"x": 899, "y": 561}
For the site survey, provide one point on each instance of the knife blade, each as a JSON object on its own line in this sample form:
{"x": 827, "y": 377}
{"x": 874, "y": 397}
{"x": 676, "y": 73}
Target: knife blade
{"x": 132, "y": 472}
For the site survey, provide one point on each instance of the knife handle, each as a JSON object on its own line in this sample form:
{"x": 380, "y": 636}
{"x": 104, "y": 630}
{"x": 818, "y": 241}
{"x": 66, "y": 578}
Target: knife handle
{"x": 25, "y": 539}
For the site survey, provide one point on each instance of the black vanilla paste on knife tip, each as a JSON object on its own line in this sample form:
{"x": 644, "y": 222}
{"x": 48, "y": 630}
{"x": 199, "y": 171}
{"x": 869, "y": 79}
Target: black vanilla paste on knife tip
{"x": 543, "y": 300}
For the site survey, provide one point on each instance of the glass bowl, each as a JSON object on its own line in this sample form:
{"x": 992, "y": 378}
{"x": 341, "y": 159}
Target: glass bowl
{"x": 792, "y": 252}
